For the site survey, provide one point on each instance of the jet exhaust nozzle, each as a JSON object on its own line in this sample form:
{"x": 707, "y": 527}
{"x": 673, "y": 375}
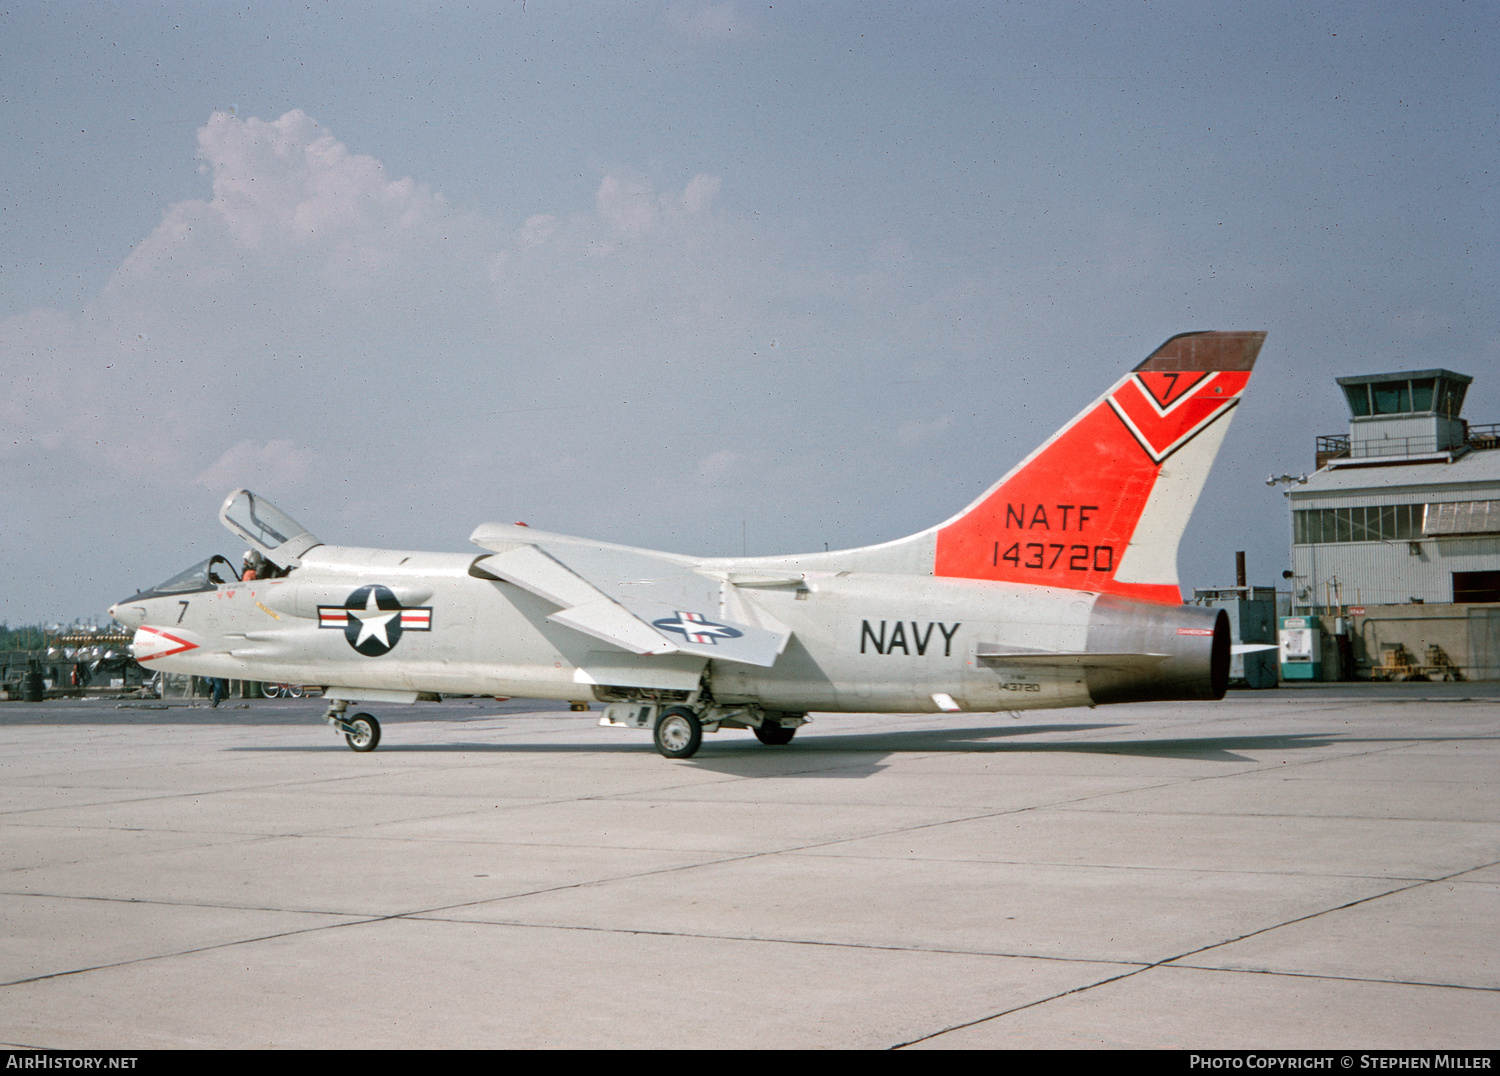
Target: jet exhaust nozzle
{"x": 1194, "y": 644}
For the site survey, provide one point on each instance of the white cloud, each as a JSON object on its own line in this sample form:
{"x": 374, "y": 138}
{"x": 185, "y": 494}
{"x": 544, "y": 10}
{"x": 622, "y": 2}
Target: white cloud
{"x": 538, "y": 229}
{"x": 717, "y": 465}
{"x": 340, "y": 340}
{"x": 239, "y": 315}
{"x": 627, "y": 205}
{"x": 279, "y": 465}
{"x": 631, "y": 207}
{"x": 288, "y": 189}
{"x": 700, "y": 191}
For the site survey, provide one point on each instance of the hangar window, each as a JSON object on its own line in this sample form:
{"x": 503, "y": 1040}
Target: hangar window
{"x": 1367, "y": 523}
{"x": 1395, "y": 522}
{"x": 1462, "y": 517}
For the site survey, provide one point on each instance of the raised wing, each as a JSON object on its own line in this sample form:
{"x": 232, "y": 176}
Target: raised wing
{"x": 641, "y": 604}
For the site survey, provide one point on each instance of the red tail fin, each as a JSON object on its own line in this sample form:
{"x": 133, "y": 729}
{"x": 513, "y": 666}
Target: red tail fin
{"x": 1102, "y": 505}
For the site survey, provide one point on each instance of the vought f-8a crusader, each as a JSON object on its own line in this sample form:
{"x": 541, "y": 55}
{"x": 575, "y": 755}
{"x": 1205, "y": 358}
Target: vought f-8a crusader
{"x": 1057, "y": 587}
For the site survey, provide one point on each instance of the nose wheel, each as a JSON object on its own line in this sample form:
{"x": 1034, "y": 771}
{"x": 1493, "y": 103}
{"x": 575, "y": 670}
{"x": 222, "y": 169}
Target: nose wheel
{"x": 363, "y": 734}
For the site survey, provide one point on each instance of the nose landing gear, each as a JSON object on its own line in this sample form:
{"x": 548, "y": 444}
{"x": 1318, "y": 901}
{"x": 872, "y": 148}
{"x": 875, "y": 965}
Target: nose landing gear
{"x": 366, "y": 734}
{"x": 361, "y": 732}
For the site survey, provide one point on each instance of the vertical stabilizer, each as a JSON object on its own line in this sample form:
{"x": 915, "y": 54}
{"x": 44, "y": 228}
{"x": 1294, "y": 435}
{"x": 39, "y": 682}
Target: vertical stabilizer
{"x": 1101, "y": 506}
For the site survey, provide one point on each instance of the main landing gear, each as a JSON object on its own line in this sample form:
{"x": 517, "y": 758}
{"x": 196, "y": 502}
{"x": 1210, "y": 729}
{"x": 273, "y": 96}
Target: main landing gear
{"x": 679, "y": 730}
{"x": 774, "y": 735}
{"x": 361, "y": 731}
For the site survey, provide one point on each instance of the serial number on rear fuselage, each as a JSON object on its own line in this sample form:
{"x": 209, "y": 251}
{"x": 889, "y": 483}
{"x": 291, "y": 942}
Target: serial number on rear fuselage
{"x": 1080, "y": 558}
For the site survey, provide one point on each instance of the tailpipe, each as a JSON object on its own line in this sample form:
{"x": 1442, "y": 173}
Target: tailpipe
{"x": 1189, "y": 648}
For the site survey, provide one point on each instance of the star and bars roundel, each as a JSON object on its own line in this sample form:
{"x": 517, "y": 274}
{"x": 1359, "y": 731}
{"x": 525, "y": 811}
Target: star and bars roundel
{"x": 373, "y": 619}
{"x": 696, "y": 628}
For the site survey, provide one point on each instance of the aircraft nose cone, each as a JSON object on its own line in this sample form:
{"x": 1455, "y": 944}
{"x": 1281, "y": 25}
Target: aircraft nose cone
{"x": 132, "y": 616}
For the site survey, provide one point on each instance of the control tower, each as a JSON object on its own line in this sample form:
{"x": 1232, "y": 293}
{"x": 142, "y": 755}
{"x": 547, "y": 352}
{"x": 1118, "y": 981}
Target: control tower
{"x": 1396, "y": 537}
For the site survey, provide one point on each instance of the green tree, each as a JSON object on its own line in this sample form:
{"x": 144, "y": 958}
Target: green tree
{"x": 26, "y": 637}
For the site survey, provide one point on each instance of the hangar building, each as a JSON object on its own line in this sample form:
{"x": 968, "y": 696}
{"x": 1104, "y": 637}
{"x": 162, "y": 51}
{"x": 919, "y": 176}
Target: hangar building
{"x": 1396, "y": 537}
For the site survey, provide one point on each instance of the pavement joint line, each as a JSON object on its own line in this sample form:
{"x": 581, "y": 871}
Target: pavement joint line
{"x": 1333, "y": 978}
{"x": 300, "y": 783}
{"x": 815, "y": 942}
{"x": 153, "y": 957}
{"x": 1339, "y": 908}
{"x": 708, "y": 783}
{"x": 1138, "y": 965}
{"x": 744, "y": 857}
{"x": 1288, "y": 814}
{"x": 1018, "y": 1008}
{"x": 812, "y": 847}
{"x": 1247, "y": 872}
{"x": 245, "y": 839}
{"x": 1171, "y": 961}
{"x": 1194, "y": 967}
{"x": 207, "y": 905}
{"x": 271, "y": 787}
{"x": 803, "y": 849}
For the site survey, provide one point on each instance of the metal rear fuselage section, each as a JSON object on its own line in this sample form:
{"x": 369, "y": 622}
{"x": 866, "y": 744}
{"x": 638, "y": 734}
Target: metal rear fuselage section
{"x": 861, "y": 641}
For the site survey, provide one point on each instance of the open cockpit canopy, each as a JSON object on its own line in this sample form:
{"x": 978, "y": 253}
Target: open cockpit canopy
{"x": 277, "y": 536}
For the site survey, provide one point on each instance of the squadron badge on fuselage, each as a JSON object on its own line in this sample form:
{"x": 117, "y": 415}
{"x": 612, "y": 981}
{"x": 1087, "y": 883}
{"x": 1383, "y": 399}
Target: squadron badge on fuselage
{"x": 373, "y": 619}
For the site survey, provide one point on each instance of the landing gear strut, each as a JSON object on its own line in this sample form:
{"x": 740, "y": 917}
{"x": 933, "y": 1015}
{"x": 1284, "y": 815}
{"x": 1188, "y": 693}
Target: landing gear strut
{"x": 361, "y": 732}
{"x": 366, "y": 734}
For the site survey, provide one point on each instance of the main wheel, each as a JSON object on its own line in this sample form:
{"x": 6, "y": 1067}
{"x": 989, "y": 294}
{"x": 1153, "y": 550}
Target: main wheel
{"x": 679, "y": 733}
{"x": 366, "y": 734}
{"x": 775, "y": 735}
{"x": 271, "y": 691}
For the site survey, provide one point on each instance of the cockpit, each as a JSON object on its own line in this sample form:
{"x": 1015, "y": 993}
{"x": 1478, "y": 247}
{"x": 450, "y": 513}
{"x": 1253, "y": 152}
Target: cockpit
{"x": 276, "y": 540}
{"x": 205, "y": 575}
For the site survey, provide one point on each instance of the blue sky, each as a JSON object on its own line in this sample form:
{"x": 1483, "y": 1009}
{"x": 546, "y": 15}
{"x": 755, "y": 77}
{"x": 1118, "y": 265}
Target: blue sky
{"x": 697, "y": 276}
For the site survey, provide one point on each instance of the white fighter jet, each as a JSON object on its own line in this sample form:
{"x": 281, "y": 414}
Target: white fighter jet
{"x": 1057, "y": 587}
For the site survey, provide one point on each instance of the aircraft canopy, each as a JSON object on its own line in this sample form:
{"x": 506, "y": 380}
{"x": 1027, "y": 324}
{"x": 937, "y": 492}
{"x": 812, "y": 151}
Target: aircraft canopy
{"x": 278, "y": 537}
